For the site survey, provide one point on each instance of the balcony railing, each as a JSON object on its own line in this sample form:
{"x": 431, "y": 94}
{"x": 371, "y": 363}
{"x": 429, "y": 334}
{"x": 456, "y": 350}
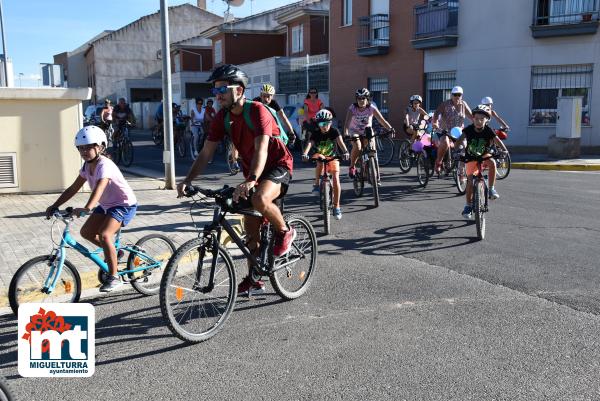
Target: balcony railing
{"x": 374, "y": 35}
{"x": 565, "y": 17}
{"x": 436, "y": 25}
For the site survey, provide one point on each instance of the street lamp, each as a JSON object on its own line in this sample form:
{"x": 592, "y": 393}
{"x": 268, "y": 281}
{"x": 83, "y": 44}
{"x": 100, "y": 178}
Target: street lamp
{"x": 20, "y": 82}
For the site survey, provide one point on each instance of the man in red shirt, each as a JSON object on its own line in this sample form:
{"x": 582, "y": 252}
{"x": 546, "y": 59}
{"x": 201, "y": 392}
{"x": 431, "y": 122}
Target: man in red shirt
{"x": 266, "y": 162}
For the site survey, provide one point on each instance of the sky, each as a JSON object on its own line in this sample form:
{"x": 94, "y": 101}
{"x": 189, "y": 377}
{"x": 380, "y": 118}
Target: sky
{"x": 36, "y": 30}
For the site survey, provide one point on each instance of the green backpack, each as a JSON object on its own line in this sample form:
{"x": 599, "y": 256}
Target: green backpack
{"x": 282, "y": 135}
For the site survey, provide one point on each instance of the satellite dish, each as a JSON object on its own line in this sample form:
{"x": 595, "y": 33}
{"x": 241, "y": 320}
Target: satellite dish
{"x": 234, "y": 3}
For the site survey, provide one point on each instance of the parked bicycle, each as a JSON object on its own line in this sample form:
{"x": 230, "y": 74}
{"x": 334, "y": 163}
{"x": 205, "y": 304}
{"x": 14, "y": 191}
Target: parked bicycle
{"x": 199, "y": 289}
{"x": 326, "y": 190}
{"x": 53, "y": 278}
{"x": 120, "y": 148}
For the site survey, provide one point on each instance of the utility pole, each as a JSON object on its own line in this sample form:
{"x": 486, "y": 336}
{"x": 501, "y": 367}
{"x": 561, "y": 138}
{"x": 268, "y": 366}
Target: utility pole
{"x": 168, "y": 154}
{"x": 4, "y": 46}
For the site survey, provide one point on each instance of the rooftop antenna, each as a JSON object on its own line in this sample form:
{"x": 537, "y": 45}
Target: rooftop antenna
{"x": 234, "y": 3}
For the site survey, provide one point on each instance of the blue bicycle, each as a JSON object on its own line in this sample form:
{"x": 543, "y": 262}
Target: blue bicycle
{"x": 53, "y": 278}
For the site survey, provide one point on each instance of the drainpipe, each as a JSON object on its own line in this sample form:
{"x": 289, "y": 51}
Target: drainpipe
{"x": 4, "y": 46}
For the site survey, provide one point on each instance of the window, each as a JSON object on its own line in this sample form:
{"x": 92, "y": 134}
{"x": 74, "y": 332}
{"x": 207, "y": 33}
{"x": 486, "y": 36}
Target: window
{"x": 438, "y": 87}
{"x": 297, "y": 39}
{"x": 550, "y": 82}
{"x": 347, "y": 12}
{"x": 379, "y": 94}
{"x": 218, "y": 52}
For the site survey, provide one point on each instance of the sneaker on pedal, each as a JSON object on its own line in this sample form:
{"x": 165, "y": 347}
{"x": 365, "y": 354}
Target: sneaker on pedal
{"x": 110, "y": 284}
{"x": 283, "y": 242}
{"x": 337, "y": 213}
{"x": 351, "y": 172}
{"x": 467, "y": 212}
{"x": 249, "y": 286}
{"x": 316, "y": 191}
{"x": 494, "y": 193}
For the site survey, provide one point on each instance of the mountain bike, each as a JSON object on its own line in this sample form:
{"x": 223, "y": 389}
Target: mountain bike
{"x": 367, "y": 167}
{"x": 121, "y": 149}
{"x": 158, "y": 135}
{"x": 198, "y": 290}
{"x": 53, "y": 278}
{"x": 326, "y": 190}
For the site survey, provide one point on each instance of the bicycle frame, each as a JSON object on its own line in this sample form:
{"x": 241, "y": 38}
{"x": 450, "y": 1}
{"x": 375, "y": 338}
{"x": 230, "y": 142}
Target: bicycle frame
{"x": 68, "y": 241}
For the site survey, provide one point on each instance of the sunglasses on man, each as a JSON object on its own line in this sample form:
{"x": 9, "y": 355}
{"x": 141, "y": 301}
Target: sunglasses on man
{"x": 457, "y": 94}
{"x": 221, "y": 90}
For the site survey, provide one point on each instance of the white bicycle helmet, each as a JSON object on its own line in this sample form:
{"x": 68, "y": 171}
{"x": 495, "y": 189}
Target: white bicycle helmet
{"x": 457, "y": 89}
{"x": 487, "y": 101}
{"x": 416, "y": 97}
{"x": 323, "y": 115}
{"x": 483, "y": 109}
{"x": 363, "y": 92}
{"x": 89, "y": 135}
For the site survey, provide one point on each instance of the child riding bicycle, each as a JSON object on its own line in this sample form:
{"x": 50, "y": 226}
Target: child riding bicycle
{"x": 324, "y": 140}
{"x": 480, "y": 138}
{"x": 116, "y": 201}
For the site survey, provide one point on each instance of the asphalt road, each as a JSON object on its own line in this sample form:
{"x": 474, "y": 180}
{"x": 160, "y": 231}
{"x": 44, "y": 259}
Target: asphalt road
{"x": 406, "y": 305}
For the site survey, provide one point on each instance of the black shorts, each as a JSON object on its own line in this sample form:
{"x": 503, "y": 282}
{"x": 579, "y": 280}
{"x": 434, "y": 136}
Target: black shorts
{"x": 278, "y": 175}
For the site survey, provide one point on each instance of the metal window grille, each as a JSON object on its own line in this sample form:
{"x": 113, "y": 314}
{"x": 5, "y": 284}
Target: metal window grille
{"x": 379, "y": 88}
{"x": 296, "y": 75}
{"x": 438, "y": 87}
{"x": 561, "y": 12}
{"x": 550, "y": 82}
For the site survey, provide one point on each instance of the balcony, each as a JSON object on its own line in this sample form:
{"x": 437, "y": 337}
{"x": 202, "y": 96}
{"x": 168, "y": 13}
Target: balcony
{"x": 564, "y": 18}
{"x": 374, "y": 35}
{"x": 436, "y": 25}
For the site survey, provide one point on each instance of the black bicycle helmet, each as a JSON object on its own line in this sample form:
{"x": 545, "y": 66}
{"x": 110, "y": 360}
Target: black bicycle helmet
{"x": 230, "y": 73}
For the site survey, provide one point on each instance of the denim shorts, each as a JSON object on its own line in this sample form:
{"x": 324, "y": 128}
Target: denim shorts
{"x": 123, "y": 214}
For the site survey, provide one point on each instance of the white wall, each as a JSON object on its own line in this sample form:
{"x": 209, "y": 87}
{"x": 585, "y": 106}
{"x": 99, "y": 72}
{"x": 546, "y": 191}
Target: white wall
{"x": 494, "y": 56}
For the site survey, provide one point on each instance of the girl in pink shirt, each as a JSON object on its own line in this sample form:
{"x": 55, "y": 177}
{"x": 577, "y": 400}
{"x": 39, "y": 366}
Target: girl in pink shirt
{"x": 115, "y": 200}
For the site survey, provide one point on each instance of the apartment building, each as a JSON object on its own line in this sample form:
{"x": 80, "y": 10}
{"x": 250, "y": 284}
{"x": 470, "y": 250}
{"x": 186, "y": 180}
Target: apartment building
{"x": 370, "y": 47}
{"x": 523, "y": 53}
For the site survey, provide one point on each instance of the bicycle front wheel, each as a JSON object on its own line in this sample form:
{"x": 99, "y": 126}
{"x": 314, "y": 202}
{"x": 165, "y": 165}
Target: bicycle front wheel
{"x": 180, "y": 147}
{"x": 157, "y": 135}
{"x": 114, "y": 152}
{"x": 404, "y": 156}
{"x": 152, "y": 251}
{"x": 27, "y": 285}
{"x": 503, "y": 167}
{"x": 479, "y": 208}
{"x": 325, "y": 203}
{"x": 127, "y": 153}
{"x": 194, "y": 307}
{"x": 422, "y": 173}
{"x": 374, "y": 182}
{"x": 292, "y": 273}
{"x": 385, "y": 150}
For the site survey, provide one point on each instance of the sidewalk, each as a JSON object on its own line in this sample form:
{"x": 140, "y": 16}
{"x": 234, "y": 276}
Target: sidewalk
{"x": 543, "y": 162}
{"x": 26, "y": 233}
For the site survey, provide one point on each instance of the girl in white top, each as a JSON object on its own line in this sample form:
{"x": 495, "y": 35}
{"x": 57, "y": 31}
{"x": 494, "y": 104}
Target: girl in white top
{"x": 358, "y": 118}
{"x": 197, "y": 117}
{"x": 415, "y": 117}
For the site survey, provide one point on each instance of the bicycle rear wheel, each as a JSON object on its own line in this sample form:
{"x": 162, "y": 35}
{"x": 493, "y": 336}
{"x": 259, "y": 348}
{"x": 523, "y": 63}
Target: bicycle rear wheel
{"x": 422, "y": 163}
{"x": 358, "y": 182}
{"x": 154, "y": 251}
{"x": 196, "y": 310}
{"x": 479, "y": 208}
{"x": 373, "y": 178}
{"x": 127, "y": 152}
{"x": 503, "y": 167}
{"x": 385, "y": 150}
{"x": 292, "y": 273}
{"x": 460, "y": 177}
{"x": 27, "y": 285}
{"x": 180, "y": 147}
{"x": 404, "y": 156}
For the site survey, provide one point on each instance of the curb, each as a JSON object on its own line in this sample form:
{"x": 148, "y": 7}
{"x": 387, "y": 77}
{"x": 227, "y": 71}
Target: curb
{"x": 555, "y": 166}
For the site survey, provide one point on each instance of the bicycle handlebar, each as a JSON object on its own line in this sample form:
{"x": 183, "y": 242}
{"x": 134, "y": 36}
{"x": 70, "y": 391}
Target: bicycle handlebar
{"x": 325, "y": 160}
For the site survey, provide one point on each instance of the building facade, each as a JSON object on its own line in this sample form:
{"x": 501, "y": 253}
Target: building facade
{"x": 523, "y": 53}
{"x": 370, "y": 47}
